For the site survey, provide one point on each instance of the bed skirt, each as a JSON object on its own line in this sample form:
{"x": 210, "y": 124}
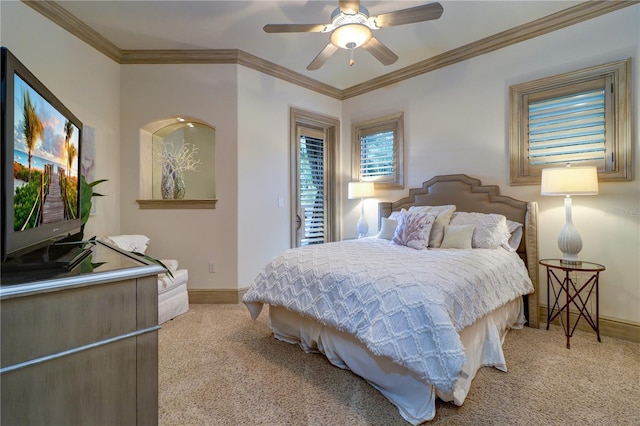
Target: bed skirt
{"x": 414, "y": 398}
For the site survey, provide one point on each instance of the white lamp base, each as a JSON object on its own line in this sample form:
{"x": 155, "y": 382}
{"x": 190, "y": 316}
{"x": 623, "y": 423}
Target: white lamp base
{"x": 569, "y": 240}
{"x": 363, "y": 226}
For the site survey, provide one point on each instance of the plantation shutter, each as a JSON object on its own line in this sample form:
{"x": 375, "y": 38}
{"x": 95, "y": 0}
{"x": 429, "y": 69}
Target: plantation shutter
{"x": 376, "y": 154}
{"x": 568, "y": 129}
{"x": 312, "y": 189}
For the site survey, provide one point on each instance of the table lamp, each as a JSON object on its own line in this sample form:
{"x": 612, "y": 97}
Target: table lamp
{"x": 569, "y": 181}
{"x": 361, "y": 190}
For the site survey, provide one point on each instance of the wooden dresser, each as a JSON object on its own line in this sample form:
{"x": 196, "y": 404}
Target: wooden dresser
{"x": 80, "y": 347}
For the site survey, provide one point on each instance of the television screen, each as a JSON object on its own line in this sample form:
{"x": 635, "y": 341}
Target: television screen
{"x": 41, "y": 144}
{"x": 45, "y": 161}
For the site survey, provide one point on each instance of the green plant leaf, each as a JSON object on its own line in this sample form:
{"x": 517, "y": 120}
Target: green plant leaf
{"x": 154, "y": 260}
{"x": 86, "y": 194}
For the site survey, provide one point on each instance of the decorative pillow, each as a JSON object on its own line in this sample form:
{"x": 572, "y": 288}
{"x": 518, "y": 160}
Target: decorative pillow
{"x": 491, "y": 230}
{"x": 457, "y": 237}
{"x": 413, "y": 229}
{"x": 443, "y": 217}
{"x": 387, "y": 228}
{"x": 515, "y": 231}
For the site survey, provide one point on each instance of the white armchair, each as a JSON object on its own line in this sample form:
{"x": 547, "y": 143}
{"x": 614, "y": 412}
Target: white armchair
{"x": 173, "y": 298}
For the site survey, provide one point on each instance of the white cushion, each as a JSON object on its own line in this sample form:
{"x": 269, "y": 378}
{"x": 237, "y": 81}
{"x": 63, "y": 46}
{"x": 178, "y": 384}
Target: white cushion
{"x": 515, "y": 231}
{"x": 388, "y": 228}
{"x": 166, "y": 283}
{"x": 171, "y": 264}
{"x": 491, "y": 230}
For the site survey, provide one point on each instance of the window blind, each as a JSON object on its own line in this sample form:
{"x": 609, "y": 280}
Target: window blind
{"x": 567, "y": 129}
{"x": 376, "y": 154}
{"x": 312, "y": 190}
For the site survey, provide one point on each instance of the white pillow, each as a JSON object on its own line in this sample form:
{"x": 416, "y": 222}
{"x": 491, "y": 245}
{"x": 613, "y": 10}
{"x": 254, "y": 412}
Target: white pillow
{"x": 515, "y": 231}
{"x": 413, "y": 229}
{"x": 443, "y": 217}
{"x": 491, "y": 230}
{"x": 387, "y": 228}
{"x": 457, "y": 237}
{"x": 394, "y": 215}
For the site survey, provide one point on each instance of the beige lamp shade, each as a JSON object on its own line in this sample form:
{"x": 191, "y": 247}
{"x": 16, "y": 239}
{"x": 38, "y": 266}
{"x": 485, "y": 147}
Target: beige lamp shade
{"x": 569, "y": 181}
{"x": 361, "y": 190}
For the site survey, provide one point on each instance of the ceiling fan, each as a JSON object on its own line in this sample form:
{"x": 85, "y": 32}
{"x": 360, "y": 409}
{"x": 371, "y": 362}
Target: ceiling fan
{"x": 351, "y": 27}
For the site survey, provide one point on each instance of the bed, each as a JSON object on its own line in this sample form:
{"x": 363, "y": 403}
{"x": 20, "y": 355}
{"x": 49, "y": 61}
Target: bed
{"x": 419, "y": 308}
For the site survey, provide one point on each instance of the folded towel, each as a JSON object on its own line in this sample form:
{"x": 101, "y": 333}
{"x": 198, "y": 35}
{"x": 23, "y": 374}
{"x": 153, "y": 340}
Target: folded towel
{"x": 137, "y": 243}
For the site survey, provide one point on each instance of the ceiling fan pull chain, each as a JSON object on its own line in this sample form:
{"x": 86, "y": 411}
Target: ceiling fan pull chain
{"x": 351, "y": 47}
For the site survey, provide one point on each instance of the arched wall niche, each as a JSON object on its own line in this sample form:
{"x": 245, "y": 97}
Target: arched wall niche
{"x": 182, "y": 147}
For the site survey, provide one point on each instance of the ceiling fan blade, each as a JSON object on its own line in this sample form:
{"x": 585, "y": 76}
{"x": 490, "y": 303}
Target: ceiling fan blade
{"x": 350, "y": 7}
{"x": 380, "y": 51}
{"x": 294, "y": 28}
{"x": 322, "y": 57}
{"x": 425, "y": 12}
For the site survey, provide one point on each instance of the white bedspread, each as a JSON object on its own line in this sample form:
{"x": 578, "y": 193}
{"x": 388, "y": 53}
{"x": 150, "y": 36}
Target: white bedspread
{"x": 402, "y": 303}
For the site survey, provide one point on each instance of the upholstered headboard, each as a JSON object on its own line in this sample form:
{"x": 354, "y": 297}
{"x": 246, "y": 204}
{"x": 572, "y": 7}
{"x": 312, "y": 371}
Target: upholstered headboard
{"x": 469, "y": 195}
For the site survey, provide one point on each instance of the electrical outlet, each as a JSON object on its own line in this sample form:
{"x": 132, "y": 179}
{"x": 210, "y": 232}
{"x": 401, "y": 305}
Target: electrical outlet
{"x": 212, "y": 267}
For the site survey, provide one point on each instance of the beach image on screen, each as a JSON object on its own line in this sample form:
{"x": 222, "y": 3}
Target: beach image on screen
{"x": 45, "y": 165}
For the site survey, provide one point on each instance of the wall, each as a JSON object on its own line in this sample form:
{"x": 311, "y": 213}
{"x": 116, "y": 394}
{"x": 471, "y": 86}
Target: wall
{"x": 264, "y": 105}
{"x": 86, "y": 82}
{"x": 457, "y": 121}
{"x": 193, "y": 237}
{"x": 251, "y": 114}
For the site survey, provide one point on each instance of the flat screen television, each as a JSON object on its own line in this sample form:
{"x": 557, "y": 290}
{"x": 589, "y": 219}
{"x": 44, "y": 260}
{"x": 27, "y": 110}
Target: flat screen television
{"x": 41, "y": 159}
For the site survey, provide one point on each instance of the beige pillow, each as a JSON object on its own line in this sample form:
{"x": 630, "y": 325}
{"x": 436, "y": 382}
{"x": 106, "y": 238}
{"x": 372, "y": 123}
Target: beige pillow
{"x": 443, "y": 217}
{"x": 387, "y": 228}
{"x": 457, "y": 237}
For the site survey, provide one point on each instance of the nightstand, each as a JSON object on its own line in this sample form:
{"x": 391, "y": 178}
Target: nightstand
{"x": 575, "y": 294}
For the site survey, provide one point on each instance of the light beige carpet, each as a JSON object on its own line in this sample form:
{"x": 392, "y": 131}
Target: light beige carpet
{"x": 218, "y": 367}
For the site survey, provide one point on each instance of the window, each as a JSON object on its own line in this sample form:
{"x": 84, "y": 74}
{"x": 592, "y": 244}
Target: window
{"x": 378, "y": 151}
{"x": 312, "y": 191}
{"x": 581, "y": 117}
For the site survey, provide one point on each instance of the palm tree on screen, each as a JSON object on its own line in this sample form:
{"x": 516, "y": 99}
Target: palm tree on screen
{"x": 32, "y": 127}
{"x": 68, "y": 131}
{"x": 72, "y": 153}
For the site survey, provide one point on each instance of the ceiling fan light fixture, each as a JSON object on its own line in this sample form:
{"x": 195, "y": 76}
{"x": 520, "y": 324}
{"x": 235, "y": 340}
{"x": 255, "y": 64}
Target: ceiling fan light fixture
{"x": 351, "y": 36}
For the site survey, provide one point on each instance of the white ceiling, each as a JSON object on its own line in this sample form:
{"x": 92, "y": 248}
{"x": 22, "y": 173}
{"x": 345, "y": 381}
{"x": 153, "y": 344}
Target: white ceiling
{"x": 187, "y": 24}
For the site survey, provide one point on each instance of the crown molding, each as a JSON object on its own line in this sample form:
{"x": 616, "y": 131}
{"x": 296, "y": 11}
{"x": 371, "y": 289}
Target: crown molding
{"x": 179, "y": 56}
{"x": 564, "y": 18}
{"x": 227, "y": 56}
{"x": 573, "y": 15}
{"x": 60, "y": 16}
{"x": 283, "y": 73}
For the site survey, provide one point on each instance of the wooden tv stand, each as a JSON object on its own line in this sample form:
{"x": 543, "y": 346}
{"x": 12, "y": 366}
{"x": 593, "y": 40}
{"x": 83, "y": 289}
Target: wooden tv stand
{"x": 81, "y": 347}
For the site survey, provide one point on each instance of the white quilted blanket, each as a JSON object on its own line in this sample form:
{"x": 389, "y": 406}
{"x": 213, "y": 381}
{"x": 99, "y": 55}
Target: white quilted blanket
{"x": 401, "y": 303}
